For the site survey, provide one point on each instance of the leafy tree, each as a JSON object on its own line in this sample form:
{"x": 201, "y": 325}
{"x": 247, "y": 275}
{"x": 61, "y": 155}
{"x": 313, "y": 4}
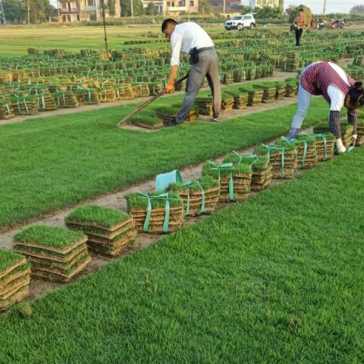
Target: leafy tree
{"x": 126, "y": 8}
{"x": 13, "y": 10}
{"x": 39, "y": 10}
{"x": 204, "y": 7}
{"x": 357, "y": 9}
{"x": 151, "y": 9}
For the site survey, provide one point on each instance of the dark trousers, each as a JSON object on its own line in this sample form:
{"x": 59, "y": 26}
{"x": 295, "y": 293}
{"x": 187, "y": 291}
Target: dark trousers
{"x": 298, "y": 36}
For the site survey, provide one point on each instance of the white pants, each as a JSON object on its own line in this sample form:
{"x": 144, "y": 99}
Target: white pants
{"x": 337, "y": 98}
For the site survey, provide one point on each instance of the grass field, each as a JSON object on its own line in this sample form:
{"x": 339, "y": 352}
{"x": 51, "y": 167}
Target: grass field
{"x": 277, "y": 279}
{"x": 49, "y": 163}
{"x": 15, "y": 41}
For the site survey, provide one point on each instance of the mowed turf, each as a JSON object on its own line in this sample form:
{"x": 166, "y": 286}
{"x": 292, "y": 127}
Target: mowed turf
{"x": 276, "y": 279}
{"x": 52, "y": 162}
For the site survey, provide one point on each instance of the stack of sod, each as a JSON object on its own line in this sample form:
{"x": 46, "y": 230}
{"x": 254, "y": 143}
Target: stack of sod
{"x": 25, "y": 105}
{"x": 291, "y": 87}
{"x": 292, "y": 62}
{"x": 109, "y": 231}
{"x": 280, "y": 90}
{"x": 360, "y": 132}
{"x": 346, "y": 132}
{"x": 107, "y": 94}
{"x": 89, "y": 96}
{"x": 65, "y": 99}
{"x": 282, "y": 158}
{"x": 6, "y": 76}
{"x": 6, "y": 110}
{"x": 227, "y": 78}
{"x": 125, "y": 92}
{"x": 234, "y": 180}
{"x": 140, "y": 89}
{"x": 306, "y": 150}
{"x": 147, "y": 119}
{"x": 205, "y": 106}
{"x": 156, "y": 213}
{"x": 156, "y": 87}
{"x": 255, "y": 96}
{"x": 240, "y": 99}
{"x": 269, "y": 91}
{"x": 55, "y": 254}
{"x": 181, "y": 86}
{"x": 46, "y": 102}
{"x": 325, "y": 144}
{"x": 227, "y": 102}
{"x": 198, "y": 196}
{"x": 167, "y": 114}
{"x": 239, "y": 75}
{"x": 260, "y": 166}
{"x": 14, "y": 278}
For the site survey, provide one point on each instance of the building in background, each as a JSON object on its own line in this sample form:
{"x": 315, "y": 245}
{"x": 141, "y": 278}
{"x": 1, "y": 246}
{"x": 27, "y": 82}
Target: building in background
{"x": 261, "y": 3}
{"x": 173, "y": 8}
{"x": 77, "y": 10}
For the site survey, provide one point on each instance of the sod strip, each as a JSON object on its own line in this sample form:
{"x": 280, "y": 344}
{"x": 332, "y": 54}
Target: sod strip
{"x": 19, "y": 295}
{"x": 278, "y": 278}
{"x": 17, "y": 273}
{"x": 81, "y": 172}
{"x": 14, "y": 287}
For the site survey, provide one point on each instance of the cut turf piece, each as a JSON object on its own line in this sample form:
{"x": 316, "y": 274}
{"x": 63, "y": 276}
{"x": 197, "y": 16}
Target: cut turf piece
{"x": 260, "y": 166}
{"x": 14, "y": 278}
{"x": 53, "y": 250}
{"x": 199, "y": 197}
{"x": 346, "y": 132}
{"x": 282, "y": 157}
{"x": 234, "y": 180}
{"x": 109, "y": 231}
{"x": 166, "y": 212}
{"x": 147, "y": 119}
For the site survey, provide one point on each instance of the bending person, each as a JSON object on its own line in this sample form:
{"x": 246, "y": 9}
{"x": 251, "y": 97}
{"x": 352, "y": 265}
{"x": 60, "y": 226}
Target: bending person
{"x": 338, "y": 88}
{"x": 193, "y": 40}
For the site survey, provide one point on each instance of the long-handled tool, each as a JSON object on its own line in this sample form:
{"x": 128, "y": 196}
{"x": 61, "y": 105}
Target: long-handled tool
{"x": 126, "y": 118}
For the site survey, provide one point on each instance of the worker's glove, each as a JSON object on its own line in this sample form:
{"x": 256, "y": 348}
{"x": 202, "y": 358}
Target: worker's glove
{"x": 353, "y": 139}
{"x": 170, "y": 87}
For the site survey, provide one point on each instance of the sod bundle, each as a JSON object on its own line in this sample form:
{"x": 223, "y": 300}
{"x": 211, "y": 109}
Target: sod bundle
{"x": 107, "y": 94}
{"x": 65, "y": 99}
{"x": 167, "y": 114}
{"x": 283, "y": 158}
{"x": 306, "y": 150}
{"x": 269, "y": 91}
{"x": 234, "y": 180}
{"x": 55, "y": 254}
{"x": 240, "y": 99}
{"x": 199, "y": 197}
{"x": 181, "y": 86}
{"x": 14, "y": 278}
{"x": 346, "y": 132}
{"x": 280, "y": 90}
{"x": 155, "y": 212}
{"x": 260, "y": 167}
{"x": 239, "y": 75}
{"x": 227, "y": 102}
{"x": 360, "y": 133}
{"x": 147, "y": 119}
{"x": 109, "y": 231}
{"x": 325, "y": 143}
{"x": 125, "y": 92}
{"x": 155, "y": 88}
{"x": 140, "y": 89}
{"x": 255, "y": 96}
{"x": 204, "y": 105}
{"x": 25, "y": 105}
{"x": 46, "y": 102}
{"x": 292, "y": 62}
{"x": 6, "y": 110}
{"x": 291, "y": 87}
{"x": 88, "y": 96}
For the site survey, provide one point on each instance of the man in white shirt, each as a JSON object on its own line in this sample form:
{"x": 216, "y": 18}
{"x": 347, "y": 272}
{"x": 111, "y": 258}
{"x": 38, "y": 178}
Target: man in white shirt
{"x": 193, "y": 40}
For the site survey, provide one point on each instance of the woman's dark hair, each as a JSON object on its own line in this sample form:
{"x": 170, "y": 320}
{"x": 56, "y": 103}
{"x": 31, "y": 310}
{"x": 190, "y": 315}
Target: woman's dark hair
{"x": 300, "y": 10}
{"x": 166, "y": 22}
{"x": 357, "y": 94}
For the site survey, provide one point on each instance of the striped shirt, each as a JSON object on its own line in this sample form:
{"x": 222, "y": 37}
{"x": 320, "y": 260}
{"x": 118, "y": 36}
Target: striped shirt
{"x": 317, "y": 78}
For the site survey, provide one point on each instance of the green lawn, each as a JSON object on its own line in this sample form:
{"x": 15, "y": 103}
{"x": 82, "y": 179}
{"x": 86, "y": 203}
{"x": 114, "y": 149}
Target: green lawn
{"x": 49, "y": 163}
{"x": 15, "y": 41}
{"x": 277, "y": 279}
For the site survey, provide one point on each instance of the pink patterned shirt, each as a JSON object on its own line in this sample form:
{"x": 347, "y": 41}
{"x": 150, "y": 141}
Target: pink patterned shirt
{"x": 317, "y": 78}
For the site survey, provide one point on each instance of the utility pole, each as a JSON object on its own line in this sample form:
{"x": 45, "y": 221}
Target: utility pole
{"x": 131, "y": 8}
{"x": 324, "y": 7}
{"x": 223, "y": 9}
{"x": 28, "y": 11}
{"x": 2, "y": 12}
{"x": 59, "y": 16}
{"x": 103, "y": 19}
